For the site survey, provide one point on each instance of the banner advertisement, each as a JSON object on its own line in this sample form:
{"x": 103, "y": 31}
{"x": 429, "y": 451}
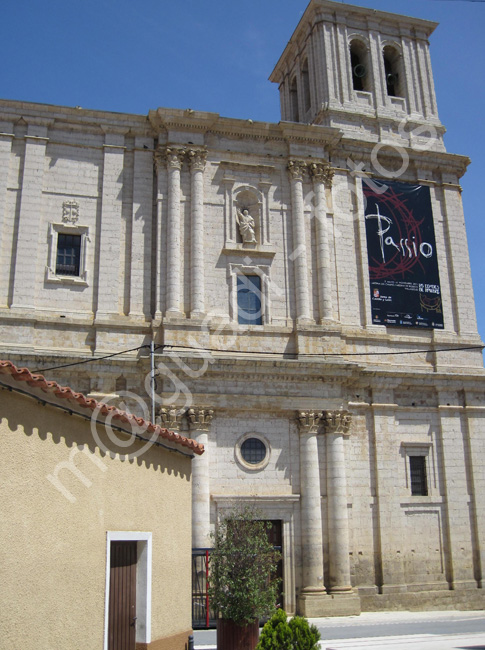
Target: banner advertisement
{"x": 403, "y": 264}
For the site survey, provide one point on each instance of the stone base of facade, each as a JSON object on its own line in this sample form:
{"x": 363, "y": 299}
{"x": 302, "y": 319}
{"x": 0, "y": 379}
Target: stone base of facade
{"x": 469, "y": 599}
{"x": 176, "y": 642}
{"x": 320, "y": 605}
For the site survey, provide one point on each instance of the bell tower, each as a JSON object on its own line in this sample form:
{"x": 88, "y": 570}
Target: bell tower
{"x": 364, "y": 71}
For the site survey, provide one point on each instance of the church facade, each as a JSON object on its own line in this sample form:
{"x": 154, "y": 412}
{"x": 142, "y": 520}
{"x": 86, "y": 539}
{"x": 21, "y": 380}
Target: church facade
{"x": 301, "y": 293}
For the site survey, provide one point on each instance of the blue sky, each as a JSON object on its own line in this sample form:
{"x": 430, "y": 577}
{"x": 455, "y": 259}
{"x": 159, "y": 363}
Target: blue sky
{"x": 216, "y": 55}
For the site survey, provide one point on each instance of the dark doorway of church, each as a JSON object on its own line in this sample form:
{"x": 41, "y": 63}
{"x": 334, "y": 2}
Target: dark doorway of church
{"x": 275, "y": 536}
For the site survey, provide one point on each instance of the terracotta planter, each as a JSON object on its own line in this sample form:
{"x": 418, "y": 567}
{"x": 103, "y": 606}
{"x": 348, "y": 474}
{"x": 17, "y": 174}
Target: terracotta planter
{"x": 231, "y": 636}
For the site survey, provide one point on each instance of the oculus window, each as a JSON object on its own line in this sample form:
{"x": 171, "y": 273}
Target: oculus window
{"x": 253, "y": 450}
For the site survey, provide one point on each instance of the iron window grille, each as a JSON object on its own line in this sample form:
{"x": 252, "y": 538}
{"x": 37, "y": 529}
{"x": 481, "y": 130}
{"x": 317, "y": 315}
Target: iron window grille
{"x": 253, "y": 451}
{"x": 419, "y": 481}
{"x": 68, "y": 254}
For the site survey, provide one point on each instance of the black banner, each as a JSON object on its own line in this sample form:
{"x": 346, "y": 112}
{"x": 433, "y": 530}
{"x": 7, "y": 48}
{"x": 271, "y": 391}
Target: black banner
{"x": 403, "y": 264}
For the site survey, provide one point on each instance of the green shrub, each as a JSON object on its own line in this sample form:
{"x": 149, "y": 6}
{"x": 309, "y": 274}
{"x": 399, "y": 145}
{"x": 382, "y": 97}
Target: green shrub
{"x": 297, "y": 634}
{"x": 243, "y": 585}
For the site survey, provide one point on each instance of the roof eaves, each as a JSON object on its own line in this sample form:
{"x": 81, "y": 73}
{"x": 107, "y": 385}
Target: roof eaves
{"x": 37, "y": 383}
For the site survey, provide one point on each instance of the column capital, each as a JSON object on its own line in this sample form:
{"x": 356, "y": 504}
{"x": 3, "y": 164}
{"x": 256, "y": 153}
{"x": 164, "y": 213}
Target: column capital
{"x": 197, "y": 159}
{"x": 199, "y": 418}
{"x": 321, "y": 173}
{"x": 337, "y": 422}
{"x": 171, "y": 156}
{"x": 309, "y": 421}
{"x": 170, "y": 418}
{"x": 297, "y": 169}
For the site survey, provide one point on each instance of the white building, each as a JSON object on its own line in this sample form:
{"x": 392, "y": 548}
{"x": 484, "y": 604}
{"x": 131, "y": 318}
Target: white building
{"x": 322, "y": 346}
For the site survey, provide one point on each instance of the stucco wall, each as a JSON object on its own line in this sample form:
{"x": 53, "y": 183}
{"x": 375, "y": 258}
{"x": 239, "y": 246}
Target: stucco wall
{"x": 53, "y": 546}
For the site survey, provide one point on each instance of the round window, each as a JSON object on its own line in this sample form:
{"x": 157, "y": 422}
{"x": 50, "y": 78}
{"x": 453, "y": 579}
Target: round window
{"x": 253, "y": 450}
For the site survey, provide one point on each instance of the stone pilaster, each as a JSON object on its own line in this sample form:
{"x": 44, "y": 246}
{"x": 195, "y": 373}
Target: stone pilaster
{"x": 111, "y": 207}
{"x": 174, "y": 158}
{"x": 475, "y": 414}
{"x": 456, "y": 479}
{"x": 141, "y": 228}
{"x": 390, "y": 573}
{"x": 313, "y": 589}
{"x": 6, "y": 139}
{"x": 336, "y": 425}
{"x": 296, "y": 170}
{"x": 199, "y": 420}
{"x": 197, "y": 161}
{"x": 322, "y": 175}
{"x": 25, "y": 284}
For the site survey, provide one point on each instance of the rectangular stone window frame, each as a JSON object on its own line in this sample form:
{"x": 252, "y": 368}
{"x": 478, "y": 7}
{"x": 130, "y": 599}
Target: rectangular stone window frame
{"x": 422, "y": 449}
{"x": 143, "y": 582}
{"x": 263, "y": 271}
{"x": 55, "y": 229}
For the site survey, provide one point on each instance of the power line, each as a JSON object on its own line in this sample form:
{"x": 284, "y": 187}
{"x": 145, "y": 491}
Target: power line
{"x": 108, "y": 356}
{"x": 332, "y": 354}
{"x": 294, "y": 354}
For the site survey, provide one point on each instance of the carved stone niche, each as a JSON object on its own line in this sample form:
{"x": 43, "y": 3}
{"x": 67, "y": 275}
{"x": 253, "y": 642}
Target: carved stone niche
{"x": 247, "y": 212}
{"x": 248, "y": 223}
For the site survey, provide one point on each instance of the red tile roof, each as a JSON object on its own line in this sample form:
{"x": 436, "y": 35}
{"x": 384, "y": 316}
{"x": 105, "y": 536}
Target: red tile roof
{"x": 38, "y": 383}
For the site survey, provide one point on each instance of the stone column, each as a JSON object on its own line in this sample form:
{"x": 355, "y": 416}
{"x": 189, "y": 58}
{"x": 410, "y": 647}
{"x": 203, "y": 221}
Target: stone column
{"x": 199, "y": 420}
{"x": 322, "y": 175}
{"x": 174, "y": 159}
{"x": 197, "y": 160}
{"x": 313, "y": 589}
{"x": 296, "y": 169}
{"x": 159, "y": 164}
{"x": 336, "y": 425}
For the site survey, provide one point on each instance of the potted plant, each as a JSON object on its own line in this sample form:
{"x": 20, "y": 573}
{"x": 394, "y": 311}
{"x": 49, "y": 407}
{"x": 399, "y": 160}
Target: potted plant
{"x": 242, "y": 584}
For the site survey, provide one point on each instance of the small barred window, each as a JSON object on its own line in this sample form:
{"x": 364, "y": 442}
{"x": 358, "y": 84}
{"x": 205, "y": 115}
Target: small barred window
{"x": 253, "y": 451}
{"x": 417, "y": 469}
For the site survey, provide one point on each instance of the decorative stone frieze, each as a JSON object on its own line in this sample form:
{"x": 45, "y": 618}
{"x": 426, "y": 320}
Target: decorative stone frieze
{"x": 309, "y": 421}
{"x": 321, "y": 173}
{"x": 297, "y": 169}
{"x": 169, "y": 156}
{"x": 170, "y": 418}
{"x": 197, "y": 159}
{"x": 337, "y": 422}
{"x": 199, "y": 418}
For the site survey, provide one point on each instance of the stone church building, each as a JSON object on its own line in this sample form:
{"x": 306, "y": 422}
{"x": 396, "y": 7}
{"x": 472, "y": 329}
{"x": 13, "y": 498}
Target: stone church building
{"x": 302, "y": 290}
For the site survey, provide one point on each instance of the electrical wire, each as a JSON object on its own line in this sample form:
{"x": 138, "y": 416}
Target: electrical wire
{"x": 107, "y": 356}
{"x": 334, "y": 354}
{"x": 284, "y": 355}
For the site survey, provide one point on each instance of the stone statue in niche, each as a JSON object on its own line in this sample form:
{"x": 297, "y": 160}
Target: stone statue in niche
{"x": 246, "y": 226}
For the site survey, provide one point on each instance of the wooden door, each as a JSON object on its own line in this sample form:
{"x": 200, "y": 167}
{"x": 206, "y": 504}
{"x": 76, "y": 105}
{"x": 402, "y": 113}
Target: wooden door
{"x": 122, "y": 596}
